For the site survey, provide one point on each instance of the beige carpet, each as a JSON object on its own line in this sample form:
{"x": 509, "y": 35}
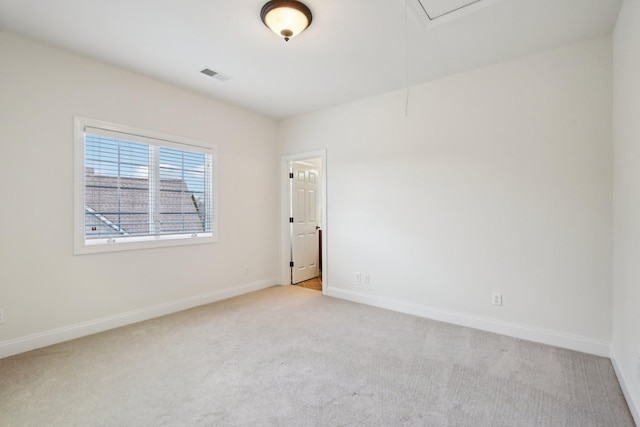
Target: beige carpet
{"x": 288, "y": 356}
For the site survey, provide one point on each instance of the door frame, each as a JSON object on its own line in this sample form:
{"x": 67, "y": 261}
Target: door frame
{"x": 285, "y": 236}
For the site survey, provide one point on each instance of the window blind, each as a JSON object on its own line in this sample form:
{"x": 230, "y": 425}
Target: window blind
{"x": 136, "y": 185}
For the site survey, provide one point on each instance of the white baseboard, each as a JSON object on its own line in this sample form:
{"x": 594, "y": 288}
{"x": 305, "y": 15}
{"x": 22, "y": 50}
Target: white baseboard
{"x": 55, "y": 336}
{"x": 632, "y": 401}
{"x": 544, "y": 336}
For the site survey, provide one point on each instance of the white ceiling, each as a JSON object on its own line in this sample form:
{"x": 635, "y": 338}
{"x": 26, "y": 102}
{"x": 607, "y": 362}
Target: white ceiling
{"x": 352, "y": 50}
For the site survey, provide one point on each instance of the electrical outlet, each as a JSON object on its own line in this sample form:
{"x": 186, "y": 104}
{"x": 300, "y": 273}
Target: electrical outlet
{"x": 367, "y": 278}
{"x": 496, "y": 298}
{"x": 1, "y": 315}
{"x": 358, "y": 277}
{"x": 246, "y": 270}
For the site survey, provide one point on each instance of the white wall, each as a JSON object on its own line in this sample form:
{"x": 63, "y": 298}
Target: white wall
{"x": 626, "y": 206}
{"x": 43, "y": 286}
{"x": 498, "y": 180}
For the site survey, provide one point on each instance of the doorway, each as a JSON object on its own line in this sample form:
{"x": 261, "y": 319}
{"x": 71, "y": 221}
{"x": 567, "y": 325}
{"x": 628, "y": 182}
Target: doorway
{"x": 304, "y": 206}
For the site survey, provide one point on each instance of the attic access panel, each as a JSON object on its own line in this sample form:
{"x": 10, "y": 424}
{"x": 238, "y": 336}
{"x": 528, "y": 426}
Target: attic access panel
{"x": 434, "y": 9}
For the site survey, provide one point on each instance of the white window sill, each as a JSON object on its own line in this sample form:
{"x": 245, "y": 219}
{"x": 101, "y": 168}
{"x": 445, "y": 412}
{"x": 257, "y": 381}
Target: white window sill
{"x": 143, "y": 242}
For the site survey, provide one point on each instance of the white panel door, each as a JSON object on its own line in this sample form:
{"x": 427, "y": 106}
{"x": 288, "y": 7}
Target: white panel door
{"x": 304, "y": 244}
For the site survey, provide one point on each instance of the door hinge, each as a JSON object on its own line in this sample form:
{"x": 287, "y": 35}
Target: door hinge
{"x": 290, "y": 175}
{"x": 291, "y": 264}
{"x": 291, "y": 219}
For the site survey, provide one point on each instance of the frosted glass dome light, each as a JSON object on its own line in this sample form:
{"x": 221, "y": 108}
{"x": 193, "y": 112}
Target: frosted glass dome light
{"x": 286, "y": 18}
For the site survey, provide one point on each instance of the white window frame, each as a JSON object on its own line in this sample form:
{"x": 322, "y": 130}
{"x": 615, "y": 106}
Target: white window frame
{"x": 113, "y": 244}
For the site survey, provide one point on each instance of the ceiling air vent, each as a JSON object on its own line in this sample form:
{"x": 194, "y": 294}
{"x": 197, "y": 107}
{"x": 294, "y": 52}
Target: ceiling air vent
{"x": 216, "y": 75}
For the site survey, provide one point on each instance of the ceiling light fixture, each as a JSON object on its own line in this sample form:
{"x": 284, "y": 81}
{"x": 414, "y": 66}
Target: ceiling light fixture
{"x": 286, "y": 18}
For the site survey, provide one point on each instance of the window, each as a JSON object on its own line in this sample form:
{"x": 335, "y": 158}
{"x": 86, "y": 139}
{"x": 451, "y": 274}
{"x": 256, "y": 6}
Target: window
{"x": 138, "y": 189}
